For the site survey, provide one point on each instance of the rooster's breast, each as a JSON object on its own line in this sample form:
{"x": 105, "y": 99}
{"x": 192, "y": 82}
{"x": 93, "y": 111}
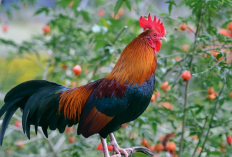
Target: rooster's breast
{"x": 138, "y": 99}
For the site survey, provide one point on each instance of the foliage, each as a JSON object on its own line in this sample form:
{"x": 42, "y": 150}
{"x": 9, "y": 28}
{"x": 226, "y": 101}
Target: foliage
{"x": 92, "y": 37}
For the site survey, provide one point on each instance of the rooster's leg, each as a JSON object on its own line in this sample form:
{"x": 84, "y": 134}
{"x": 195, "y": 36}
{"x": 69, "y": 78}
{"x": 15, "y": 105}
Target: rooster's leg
{"x": 116, "y": 148}
{"x": 105, "y": 148}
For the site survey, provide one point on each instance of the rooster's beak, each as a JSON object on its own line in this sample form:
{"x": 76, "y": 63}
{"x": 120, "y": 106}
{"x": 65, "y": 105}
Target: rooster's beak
{"x": 163, "y": 38}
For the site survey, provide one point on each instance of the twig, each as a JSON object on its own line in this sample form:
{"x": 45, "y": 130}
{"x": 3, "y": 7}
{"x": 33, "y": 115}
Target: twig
{"x": 221, "y": 123}
{"x": 124, "y": 28}
{"x": 217, "y": 48}
{"x": 191, "y": 30}
{"x": 187, "y": 85}
{"x": 211, "y": 120}
{"x": 51, "y": 145}
{"x": 174, "y": 55}
{"x": 203, "y": 128}
{"x": 46, "y": 70}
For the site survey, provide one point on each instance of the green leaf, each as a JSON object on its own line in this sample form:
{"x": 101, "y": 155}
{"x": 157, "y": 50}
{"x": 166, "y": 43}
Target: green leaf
{"x": 128, "y": 4}
{"x": 41, "y": 10}
{"x": 171, "y": 3}
{"x": 117, "y": 6}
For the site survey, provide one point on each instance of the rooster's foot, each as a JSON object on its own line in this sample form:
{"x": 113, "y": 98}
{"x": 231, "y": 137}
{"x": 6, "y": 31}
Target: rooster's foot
{"x": 117, "y": 149}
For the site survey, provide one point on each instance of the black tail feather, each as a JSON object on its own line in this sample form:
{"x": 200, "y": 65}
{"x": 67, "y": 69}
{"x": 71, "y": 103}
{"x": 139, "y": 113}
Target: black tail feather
{"x": 6, "y": 106}
{"x": 44, "y": 128}
{"x": 39, "y": 102}
{"x": 6, "y": 121}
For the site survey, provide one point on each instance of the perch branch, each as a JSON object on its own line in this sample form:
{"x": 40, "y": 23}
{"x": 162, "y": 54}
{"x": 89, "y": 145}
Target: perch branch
{"x": 143, "y": 150}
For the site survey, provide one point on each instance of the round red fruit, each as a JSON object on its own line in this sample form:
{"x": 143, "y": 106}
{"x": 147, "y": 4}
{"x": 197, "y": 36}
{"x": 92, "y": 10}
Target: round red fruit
{"x": 229, "y": 139}
{"x": 186, "y": 75}
{"x": 77, "y": 70}
{"x": 17, "y": 123}
{"x": 99, "y": 146}
{"x": 110, "y": 148}
{"x": 4, "y": 28}
{"x": 46, "y": 29}
{"x": 101, "y": 12}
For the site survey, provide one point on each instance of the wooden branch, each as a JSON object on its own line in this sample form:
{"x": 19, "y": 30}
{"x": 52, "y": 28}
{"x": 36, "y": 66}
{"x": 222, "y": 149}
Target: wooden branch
{"x": 143, "y": 150}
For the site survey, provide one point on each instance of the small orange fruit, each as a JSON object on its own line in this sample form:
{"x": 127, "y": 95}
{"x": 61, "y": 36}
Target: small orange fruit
{"x": 157, "y": 94}
{"x": 144, "y": 142}
{"x": 230, "y": 94}
{"x": 171, "y": 146}
{"x": 164, "y": 85}
{"x": 210, "y": 90}
{"x": 223, "y": 144}
{"x": 115, "y": 17}
{"x": 185, "y": 48}
{"x": 167, "y": 105}
{"x": 194, "y": 137}
{"x": 71, "y": 139}
{"x": 151, "y": 148}
{"x": 124, "y": 125}
{"x": 183, "y": 26}
{"x": 71, "y": 4}
{"x": 161, "y": 137}
{"x": 229, "y": 26}
{"x": 159, "y": 147}
{"x": 121, "y": 11}
{"x": 211, "y": 96}
{"x": 153, "y": 97}
{"x": 222, "y": 149}
{"x": 178, "y": 58}
{"x": 20, "y": 144}
{"x": 199, "y": 149}
{"x": 224, "y": 32}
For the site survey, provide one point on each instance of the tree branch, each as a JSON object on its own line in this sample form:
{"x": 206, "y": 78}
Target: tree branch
{"x": 211, "y": 120}
{"x": 187, "y": 85}
{"x": 203, "y": 128}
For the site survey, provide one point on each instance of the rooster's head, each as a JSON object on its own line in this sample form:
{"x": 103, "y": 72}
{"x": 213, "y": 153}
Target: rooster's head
{"x": 154, "y": 32}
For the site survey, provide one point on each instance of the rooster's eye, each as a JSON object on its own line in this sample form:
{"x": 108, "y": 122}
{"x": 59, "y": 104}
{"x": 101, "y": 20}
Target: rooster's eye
{"x": 155, "y": 34}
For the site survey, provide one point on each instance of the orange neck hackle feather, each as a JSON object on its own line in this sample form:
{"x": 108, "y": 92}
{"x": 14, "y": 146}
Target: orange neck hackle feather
{"x": 136, "y": 65}
{"x": 137, "y": 62}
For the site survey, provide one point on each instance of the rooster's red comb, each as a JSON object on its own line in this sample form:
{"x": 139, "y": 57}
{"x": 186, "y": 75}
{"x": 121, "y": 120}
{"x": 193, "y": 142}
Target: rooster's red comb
{"x": 152, "y": 25}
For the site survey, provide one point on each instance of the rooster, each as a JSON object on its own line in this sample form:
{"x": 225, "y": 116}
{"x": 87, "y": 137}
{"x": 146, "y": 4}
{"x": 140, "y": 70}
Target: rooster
{"x": 99, "y": 107}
